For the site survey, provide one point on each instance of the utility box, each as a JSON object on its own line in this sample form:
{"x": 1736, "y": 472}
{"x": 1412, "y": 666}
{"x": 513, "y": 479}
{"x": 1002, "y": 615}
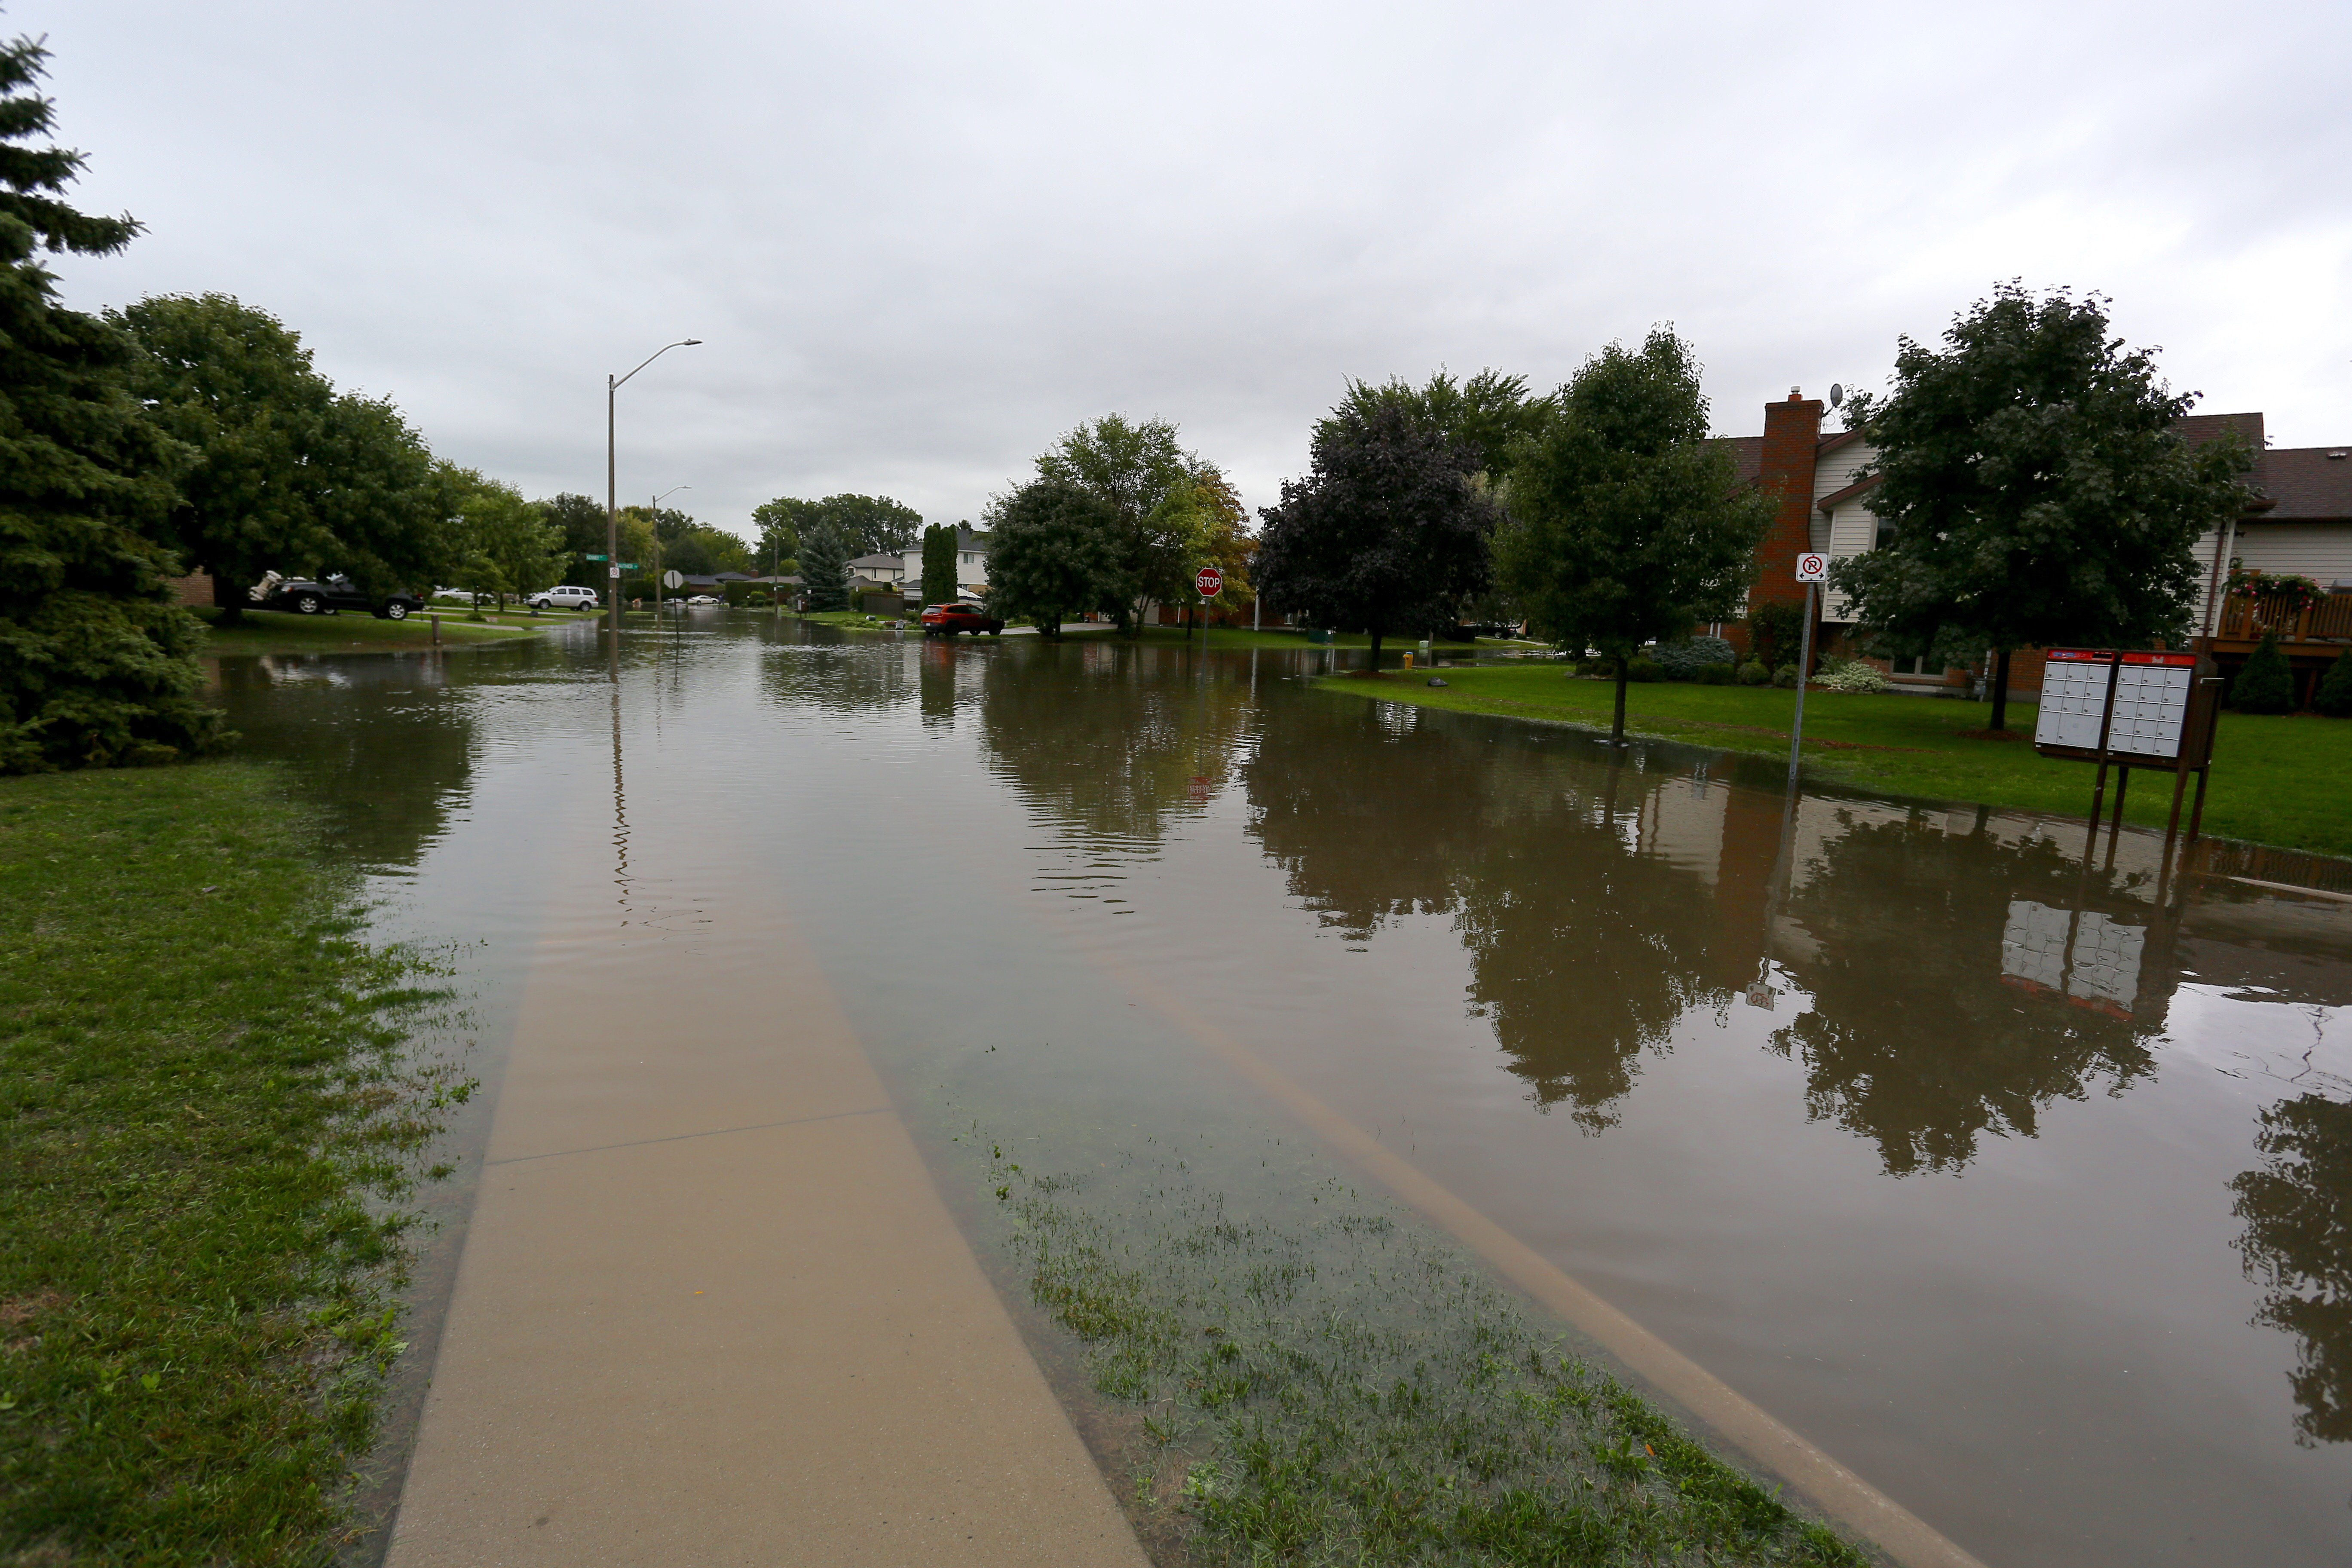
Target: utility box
{"x": 2151, "y": 709}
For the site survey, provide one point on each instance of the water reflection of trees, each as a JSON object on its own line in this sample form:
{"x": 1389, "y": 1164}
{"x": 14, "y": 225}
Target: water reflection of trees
{"x": 2297, "y": 1206}
{"x": 382, "y": 746}
{"x": 1143, "y": 735}
{"x": 1912, "y": 1040}
{"x": 1582, "y": 953}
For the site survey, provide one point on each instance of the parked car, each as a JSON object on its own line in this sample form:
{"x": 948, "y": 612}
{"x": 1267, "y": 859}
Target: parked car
{"x": 325, "y": 596}
{"x": 702, "y": 599}
{"x": 564, "y": 598}
{"x": 961, "y": 616}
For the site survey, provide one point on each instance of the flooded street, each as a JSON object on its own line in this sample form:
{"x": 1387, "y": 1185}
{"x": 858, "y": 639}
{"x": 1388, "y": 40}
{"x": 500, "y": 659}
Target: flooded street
{"x": 2019, "y": 1195}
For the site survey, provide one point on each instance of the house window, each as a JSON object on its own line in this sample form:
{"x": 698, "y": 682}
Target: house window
{"x": 1915, "y": 668}
{"x": 969, "y": 558}
{"x": 1886, "y": 535}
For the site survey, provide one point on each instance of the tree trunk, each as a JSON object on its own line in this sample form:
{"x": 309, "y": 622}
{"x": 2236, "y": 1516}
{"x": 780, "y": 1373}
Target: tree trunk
{"x": 229, "y": 599}
{"x": 2000, "y": 691}
{"x": 1375, "y": 633}
{"x": 1617, "y": 724}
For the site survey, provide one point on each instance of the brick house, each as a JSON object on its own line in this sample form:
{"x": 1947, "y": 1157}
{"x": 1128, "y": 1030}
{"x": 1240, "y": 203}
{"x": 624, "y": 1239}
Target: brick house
{"x": 2298, "y": 521}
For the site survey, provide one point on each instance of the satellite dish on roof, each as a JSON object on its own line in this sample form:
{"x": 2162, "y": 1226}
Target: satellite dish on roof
{"x": 1837, "y": 395}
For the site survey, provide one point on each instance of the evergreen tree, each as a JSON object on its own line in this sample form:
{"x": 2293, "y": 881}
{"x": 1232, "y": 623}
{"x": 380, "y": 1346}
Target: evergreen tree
{"x": 1628, "y": 525}
{"x": 939, "y": 562}
{"x": 2334, "y": 697}
{"x": 2264, "y": 683}
{"x": 98, "y": 663}
{"x": 1050, "y": 553}
{"x": 825, "y": 554}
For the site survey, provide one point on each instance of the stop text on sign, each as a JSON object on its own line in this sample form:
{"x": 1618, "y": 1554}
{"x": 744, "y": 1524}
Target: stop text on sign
{"x": 1210, "y": 581}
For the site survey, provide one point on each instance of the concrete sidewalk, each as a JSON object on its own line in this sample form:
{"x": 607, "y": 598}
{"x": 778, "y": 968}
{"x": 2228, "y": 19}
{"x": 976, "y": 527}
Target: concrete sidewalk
{"x": 712, "y": 1310}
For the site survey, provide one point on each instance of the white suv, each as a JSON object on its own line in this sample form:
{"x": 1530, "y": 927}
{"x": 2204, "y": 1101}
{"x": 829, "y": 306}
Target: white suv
{"x": 562, "y": 599}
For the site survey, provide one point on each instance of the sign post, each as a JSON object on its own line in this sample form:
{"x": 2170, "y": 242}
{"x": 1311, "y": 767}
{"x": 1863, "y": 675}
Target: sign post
{"x": 1208, "y": 582}
{"x": 1812, "y": 568}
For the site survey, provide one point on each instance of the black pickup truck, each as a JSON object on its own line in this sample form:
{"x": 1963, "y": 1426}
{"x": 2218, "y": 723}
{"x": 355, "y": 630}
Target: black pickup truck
{"x": 324, "y": 597}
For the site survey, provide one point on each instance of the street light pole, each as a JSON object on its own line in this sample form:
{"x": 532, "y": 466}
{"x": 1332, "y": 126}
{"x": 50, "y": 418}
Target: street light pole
{"x": 613, "y": 384}
{"x": 653, "y": 515}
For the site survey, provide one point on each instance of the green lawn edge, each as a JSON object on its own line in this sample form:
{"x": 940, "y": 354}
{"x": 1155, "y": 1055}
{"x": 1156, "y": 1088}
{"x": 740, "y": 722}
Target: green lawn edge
{"x": 282, "y": 631}
{"x": 212, "y": 1130}
{"x": 2276, "y": 780}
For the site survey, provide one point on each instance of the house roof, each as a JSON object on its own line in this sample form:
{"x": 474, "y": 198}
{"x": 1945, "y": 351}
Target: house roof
{"x": 1837, "y": 499}
{"x": 893, "y": 563}
{"x": 734, "y": 577}
{"x": 2306, "y": 484}
{"x": 1747, "y": 455}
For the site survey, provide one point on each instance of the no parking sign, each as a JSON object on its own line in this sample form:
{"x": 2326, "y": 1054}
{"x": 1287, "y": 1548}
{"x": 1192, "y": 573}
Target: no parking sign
{"x": 1812, "y": 568}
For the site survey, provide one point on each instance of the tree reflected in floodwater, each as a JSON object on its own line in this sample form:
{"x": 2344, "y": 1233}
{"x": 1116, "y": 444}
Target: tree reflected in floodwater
{"x": 2297, "y": 1206}
{"x": 1933, "y": 1021}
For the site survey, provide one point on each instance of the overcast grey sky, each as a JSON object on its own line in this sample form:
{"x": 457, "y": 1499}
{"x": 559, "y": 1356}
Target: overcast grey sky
{"x": 921, "y": 241}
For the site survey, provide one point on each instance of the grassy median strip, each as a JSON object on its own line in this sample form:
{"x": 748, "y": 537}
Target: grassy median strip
{"x": 211, "y": 1123}
{"x": 2276, "y": 780}
{"x": 1341, "y": 1389}
{"x": 355, "y": 631}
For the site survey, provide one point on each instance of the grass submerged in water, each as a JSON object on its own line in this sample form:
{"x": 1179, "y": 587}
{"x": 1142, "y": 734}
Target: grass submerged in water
{"x": 1347, "y": 1391}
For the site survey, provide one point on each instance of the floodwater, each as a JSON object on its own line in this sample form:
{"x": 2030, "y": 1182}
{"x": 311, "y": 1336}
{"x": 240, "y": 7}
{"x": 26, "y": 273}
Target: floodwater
{"x": 2024, "y": 1197}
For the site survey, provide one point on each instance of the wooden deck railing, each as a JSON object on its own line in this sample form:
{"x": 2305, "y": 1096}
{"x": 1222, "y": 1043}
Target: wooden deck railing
{"x": 2330, "y": 620}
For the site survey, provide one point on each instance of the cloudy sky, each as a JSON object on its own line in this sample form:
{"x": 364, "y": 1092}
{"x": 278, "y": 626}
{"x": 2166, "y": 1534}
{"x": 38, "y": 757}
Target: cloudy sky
{"x": 920, "y": 241}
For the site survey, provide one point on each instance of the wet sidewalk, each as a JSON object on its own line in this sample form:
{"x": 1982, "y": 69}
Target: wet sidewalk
{"x": 711, "y": 1308}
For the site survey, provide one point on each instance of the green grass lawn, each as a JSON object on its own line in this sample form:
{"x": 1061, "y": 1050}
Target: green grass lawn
{"x": 208, "y": 1136}
{"x": 283, "y": 631}
{"x": 847, "y": 620}
{"x": 2279, "y": 781}
{"x": 1244, "y": 638}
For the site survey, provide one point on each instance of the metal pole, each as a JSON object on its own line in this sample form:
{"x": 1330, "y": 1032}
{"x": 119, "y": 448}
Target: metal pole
{"x": 1804, "y": 666}
{"x": 611, "y": 508}
{"x": 2106, "y": 720}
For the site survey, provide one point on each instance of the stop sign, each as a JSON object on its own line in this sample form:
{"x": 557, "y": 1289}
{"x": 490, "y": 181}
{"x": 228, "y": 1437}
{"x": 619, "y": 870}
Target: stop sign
{"x": 1210, "y": 581}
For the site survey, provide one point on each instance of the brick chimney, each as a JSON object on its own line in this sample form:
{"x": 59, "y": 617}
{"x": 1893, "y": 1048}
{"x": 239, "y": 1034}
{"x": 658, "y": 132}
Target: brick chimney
{"x": 1792, "y": 431}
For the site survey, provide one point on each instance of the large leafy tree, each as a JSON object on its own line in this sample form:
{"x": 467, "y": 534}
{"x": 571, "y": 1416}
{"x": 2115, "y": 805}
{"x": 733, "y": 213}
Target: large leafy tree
{"x": 1051, "y": 552}
{"x": 1386, "y": 532}
{"x": 98, "y": 663}
{"x": 2297, "y": 1206}
{"x": 288, "y": 475}
{"x": 1627, "y": 524}
{"x": 1148, "y": 480}
{"x": 238, "y": 388}
{"x": 389, "y": 504}
{"x": 514, "y": 538}
{"x": 1491, "y": 411}
{"x": 2033, "y": 488}
{"x": 581, "y": 519}
{"x": 871, "y": 525}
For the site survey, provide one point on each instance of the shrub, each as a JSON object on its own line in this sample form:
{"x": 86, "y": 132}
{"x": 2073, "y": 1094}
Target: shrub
{"x": 1786, "y": 677}
{"x": 1683, "y": 661}
{"x": 1753, "y": 673}
{"x": 2334, "y": 697}
{"x": 1714, "y": 675}
{"x": 1774, "y": 629}
{"x": 1606, "y": 667}
{"x": 1850, "y": 675}
{"x": 1645, "y": 669}
{"x": 2265, "y": 684}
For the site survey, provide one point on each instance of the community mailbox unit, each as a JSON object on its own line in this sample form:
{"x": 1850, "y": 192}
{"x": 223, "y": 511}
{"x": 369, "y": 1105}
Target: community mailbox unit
{"x": 2162, "y": 717}
{"x": 2133, "y": 710}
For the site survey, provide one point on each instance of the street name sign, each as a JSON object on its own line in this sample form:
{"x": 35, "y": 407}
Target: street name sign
{"x": 1210, "y": 581}
{"x": 1813, "y": 567}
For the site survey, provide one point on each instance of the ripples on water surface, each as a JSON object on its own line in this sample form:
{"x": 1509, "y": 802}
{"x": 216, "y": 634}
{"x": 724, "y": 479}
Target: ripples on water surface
{"x": 2024, "y": 1197}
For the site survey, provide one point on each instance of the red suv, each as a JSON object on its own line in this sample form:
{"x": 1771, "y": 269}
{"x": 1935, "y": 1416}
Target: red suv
{"x": 946, "y": 620}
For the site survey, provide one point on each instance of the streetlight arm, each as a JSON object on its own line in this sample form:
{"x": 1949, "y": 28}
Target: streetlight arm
{"x": 681, "y": 343}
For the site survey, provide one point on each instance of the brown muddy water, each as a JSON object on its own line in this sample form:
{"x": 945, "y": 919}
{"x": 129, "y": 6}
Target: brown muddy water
{"x": 2024, "y": 1198}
